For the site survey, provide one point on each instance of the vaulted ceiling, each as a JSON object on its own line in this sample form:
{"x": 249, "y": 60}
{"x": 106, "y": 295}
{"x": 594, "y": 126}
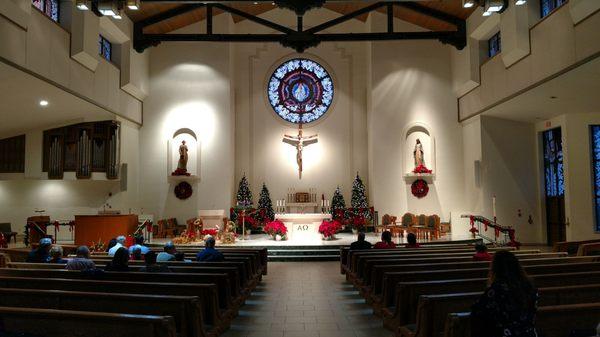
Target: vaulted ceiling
{"x": 451, "y": 7}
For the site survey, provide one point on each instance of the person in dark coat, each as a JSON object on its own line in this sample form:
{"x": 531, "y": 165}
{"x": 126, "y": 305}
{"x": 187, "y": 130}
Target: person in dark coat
{"x": 120, "y": 261}
{"x": 361, "y": 243}
{"x": 210, "y": 254}
{"x": 42, "y": 253}
{"x": 508, "y": 306}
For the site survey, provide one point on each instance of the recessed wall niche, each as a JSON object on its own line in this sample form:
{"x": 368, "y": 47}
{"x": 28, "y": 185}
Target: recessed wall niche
{"x": 412, "y": 133}
{"x": 193, "y": 151}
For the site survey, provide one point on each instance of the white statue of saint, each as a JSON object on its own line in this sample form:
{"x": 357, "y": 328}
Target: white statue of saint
{"x": 183, "y": 157}
{"x": 418, "y": 154}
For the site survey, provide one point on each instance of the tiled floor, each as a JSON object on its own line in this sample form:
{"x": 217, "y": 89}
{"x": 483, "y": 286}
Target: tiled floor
{"x": 306, "y": 299}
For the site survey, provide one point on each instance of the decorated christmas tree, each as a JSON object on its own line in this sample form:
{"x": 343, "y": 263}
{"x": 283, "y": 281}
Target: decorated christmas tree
{"x": 265, "y": 206}
{"x": 338, "y": 205}
{"x": 359, "y": 198}
{"x": 244, "y": 195}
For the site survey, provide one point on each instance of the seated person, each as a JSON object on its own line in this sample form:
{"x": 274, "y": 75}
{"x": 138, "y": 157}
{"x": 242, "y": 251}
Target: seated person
{"x": 180, "y": 256}
{"x": 111, "y": 243}
{"x": 386, "y": 241}
{"x": 120, "y": 261}
{"x": 56, "y": 254}
{"x": 210, "y": 254}
{"x": 360, "y": 243}
{"x": 168, "y": 254}
{"x": 509, "y": 304}
{"x": 139, "y": 243}
{"x": 481, "y": 253}
{"x": 120, "y": 243}
{"x": 136, "y": 254}
{"x": 42, "y": 253}
{"x": 151, "y": 265}
{"x": 411, "y": 239}
{"x": 82, "y": 261}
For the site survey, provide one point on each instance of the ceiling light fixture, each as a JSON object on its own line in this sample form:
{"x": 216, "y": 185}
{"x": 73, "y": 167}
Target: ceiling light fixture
{"x": 495, "y": 6}
{"x": 133, "y": 4}
{"x": 487, "y": 13}
{"x": 520, "y": 2}
{"x": 108, "y": 8}
{"x": 43, "y": 103}
{"x": 469, "y": 3}
{"x": 117, "y": 15}
{"x": 82, "y": 5}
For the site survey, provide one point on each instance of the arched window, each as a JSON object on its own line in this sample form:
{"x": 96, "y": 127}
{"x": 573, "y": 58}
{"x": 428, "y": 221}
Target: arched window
{"x": 300, "y": 91}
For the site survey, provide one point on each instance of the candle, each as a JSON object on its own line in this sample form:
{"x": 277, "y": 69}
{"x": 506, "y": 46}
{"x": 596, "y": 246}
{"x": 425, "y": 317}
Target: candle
{"x": 494, "y": 207}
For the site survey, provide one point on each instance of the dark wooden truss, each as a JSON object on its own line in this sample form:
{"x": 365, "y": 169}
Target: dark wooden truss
{"x": 298, "y": 39}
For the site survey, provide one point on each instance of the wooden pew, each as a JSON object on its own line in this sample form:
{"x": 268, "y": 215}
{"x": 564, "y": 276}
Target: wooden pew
{"x": 185, "y": 310}
{"x": 212, "y": 316}
{"x": 61, "y": 323}
{"x": 589, "y": 249}
{"x": 345, "y": 250}
{"x": 571, "y": 247}
{"x": 433, "y": 309}
{"x": 551, "y": 321}
{"x": 374, "y": 269}
{"x": 388, "y": 293}
{"x": 408, "y": 293}
{"x": 221, "y": 280}
{"x": 376, "y": 286}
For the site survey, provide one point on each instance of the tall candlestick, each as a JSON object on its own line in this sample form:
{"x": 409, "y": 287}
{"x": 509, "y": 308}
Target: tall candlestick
{"x": 494, "y": 207}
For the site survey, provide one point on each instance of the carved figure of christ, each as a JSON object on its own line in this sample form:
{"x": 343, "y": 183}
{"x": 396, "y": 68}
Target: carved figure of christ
{"x": 299, "y": 142}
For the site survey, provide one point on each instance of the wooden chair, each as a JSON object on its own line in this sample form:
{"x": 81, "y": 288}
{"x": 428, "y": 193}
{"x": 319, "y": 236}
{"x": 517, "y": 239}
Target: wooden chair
{"x": 433, "y": 226}
{"x": 6, "y": 230}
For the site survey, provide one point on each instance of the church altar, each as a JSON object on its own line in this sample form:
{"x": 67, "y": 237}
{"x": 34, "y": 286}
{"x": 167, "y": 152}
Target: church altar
{"x": 303, "y": 225}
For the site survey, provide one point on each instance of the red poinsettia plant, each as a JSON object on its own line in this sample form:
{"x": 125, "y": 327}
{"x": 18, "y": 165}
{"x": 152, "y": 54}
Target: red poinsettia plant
{"x": 276, "y": 227}
{"x": 358, "y": 222}
{"x": 329, "y": 228}
{"x": 422, "y": 169}
{"x": 211, "y": 232}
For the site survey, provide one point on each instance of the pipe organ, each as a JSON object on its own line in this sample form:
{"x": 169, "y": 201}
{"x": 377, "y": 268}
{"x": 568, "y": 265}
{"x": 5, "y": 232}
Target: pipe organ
{"x": 83, "y": 148}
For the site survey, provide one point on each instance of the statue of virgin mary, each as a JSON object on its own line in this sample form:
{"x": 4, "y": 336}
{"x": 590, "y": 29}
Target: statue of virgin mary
{"x": 418, "y": 154}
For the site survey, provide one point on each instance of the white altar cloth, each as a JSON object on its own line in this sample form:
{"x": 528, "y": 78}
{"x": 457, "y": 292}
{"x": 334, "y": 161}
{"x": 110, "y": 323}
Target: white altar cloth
{"x": 303, "y": 225}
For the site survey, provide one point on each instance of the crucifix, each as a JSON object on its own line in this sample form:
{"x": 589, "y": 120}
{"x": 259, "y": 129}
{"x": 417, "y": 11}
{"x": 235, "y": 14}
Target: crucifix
{"x": 299, "y": 142}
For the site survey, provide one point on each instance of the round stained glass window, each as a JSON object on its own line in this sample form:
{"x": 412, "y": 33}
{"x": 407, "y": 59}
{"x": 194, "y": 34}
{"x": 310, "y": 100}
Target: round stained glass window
{"x": 300, "y": 91}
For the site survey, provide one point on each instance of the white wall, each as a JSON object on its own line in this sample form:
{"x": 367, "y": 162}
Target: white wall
{"x": 189, "y": 88}
{"x": 510, "y": 172}
{"x": 412, "y": 82}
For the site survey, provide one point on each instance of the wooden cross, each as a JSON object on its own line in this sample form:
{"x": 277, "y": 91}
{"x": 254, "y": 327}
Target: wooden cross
{"x": 299, "y": 142}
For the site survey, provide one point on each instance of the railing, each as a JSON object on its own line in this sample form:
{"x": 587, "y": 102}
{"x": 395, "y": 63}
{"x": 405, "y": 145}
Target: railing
{"x": 42, "y": 229}
{"x": 479, "y": 222}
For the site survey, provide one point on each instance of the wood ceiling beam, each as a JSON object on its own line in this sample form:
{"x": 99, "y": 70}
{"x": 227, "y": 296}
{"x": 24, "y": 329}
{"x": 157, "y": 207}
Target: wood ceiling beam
{"x": 254, "y": 18}
{"x": 168, "y": 14}
{"x": 428, "y": 11}
{"x": 346, "y": 17}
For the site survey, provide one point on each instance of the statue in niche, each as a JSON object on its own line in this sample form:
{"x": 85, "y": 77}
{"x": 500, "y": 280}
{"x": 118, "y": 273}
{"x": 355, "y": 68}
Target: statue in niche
{"x": 182, "y": 162}
{"x": 418, "y": 154}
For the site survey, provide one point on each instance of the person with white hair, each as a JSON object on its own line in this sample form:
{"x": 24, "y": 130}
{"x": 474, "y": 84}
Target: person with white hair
{"x": 56, "y": 255}
{"x": 82, "y": 260}
{"x": 209, "y": 253}
{"x": 42, "y": 253}
{"x": 120, "y": 243}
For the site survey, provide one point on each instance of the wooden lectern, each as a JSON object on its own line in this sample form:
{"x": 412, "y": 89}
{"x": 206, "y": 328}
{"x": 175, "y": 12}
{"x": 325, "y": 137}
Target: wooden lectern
{"x": 91, "y": 228}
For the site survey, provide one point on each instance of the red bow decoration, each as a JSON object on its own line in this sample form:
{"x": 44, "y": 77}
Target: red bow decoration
{"x": 71, "y": 225}
{"x": 56, "y": 226}
{"x": 149, "y": 227}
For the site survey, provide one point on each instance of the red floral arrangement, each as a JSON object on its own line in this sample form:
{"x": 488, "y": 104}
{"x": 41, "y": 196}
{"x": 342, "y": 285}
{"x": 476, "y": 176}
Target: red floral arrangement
{"x": 211, "y": 232}
{"x": 183, "y": 190}
{"x": 358, "y": 222}
{"x": 180, "y": 172}
{"x": 419, "y": 188}
{"x": 422, "y": 169}
{"x": 276, "y": 228}
{"x": 329, "y": 228}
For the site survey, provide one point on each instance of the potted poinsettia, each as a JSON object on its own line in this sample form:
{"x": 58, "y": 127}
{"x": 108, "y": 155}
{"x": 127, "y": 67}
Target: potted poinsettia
{"x": 276, "y": 228}
{"x": 358, "y": 223}
{"x": 328, "y": 229}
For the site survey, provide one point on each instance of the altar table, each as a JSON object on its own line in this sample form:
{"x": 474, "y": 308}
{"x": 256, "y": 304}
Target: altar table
{"x": 91, "y": 228}
{"x": 304, "y": 225}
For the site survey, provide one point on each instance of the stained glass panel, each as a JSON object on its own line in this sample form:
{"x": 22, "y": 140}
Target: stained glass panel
{"x": 547, "y": 6}
{"x": 300, "y": 91}
{"x": 49, "y": 7}
{"x": 553, "y": 163}
{"x": 494, "y": 45}
{"x": 595, "y": 131}
{"x": 105, "y": 48}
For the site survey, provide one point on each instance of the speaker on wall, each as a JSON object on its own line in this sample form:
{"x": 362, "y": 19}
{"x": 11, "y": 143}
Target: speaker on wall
{"x": 123, "y": 177}
{"x": 477, "y": 172}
